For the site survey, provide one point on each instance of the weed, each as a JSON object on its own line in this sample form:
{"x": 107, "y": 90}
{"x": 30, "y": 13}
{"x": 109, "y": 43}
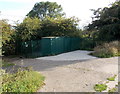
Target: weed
{"x": 112, "y": 90}
{"x": 111, "y": 78}
{"x": 100, "y": 87}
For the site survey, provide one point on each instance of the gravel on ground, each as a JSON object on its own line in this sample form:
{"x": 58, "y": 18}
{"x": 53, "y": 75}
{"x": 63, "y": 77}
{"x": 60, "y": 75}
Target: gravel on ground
{"x": 72, "y": 75}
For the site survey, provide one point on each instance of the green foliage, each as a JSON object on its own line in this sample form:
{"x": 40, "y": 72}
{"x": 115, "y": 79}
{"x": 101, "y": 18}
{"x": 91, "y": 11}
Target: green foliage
{"x": 106, "y": 22}
{"x": 7, "y": 41}
{"x": 107, "y": 50}
{"x": 111, "y": 78}
{"x": 100, "y": 87}
{"x": 59, "y": 27}
{"x": 6, "y": 31}
{"x": 22, "y": 81}
{"x": 27, "y": 29}
{"x": 46, "y": 9}
{"x": 88, "y": 40}
{"x": 87, "y": 44}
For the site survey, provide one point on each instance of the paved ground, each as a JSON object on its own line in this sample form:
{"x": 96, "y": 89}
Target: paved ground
{"x": 74, "y": 55}
{"x": 72, "y": 76}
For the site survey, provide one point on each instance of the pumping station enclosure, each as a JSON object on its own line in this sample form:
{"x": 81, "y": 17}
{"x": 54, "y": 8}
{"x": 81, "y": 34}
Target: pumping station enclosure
{"x": 49, "y": 46}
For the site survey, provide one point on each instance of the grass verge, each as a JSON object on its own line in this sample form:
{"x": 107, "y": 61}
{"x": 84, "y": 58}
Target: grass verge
{"x": 22, "y": 81}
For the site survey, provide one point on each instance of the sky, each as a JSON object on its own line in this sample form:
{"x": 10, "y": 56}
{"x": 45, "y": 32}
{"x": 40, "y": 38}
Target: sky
{"x": 15, "y": 10}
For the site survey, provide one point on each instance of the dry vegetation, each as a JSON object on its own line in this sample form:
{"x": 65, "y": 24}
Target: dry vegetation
{"x": 107, "y": 49}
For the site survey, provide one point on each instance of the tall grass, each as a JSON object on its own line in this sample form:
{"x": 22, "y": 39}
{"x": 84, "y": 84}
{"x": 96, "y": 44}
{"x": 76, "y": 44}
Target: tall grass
{"x": 107, "y": 49}
{"x": 22, "y": 81}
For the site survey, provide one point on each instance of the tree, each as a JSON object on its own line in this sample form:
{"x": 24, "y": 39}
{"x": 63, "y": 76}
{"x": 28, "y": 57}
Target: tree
{"x": 59, "y": 27}
{"x": 44, "y": 9}
{"x": 27, "y": 30}
{"x": 6, "y": 31}
{"x": 33, "y": 28}
{"x": 106, "y": 22}
{"x": 7, "y": 40}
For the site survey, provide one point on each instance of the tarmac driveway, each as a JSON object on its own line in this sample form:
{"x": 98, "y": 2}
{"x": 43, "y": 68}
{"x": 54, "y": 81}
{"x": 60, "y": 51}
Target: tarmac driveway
{"x": 74, "y": 75}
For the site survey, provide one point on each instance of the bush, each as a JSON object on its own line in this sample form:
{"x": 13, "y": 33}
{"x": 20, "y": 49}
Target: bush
{"x": 8, "y": 48}
{"x": 22, "y": 81}
{"x": 107, "y": 50}
{"x": 7, "y": 40}
{"x": 87, "y": 44}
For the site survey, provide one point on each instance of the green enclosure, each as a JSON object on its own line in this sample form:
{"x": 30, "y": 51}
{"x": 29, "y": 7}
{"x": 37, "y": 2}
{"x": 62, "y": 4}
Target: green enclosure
{"x": 49, "y": 46}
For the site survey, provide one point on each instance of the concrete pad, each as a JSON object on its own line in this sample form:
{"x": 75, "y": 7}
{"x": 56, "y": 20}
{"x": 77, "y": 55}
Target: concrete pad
{"x": 64, "y": 79}
{"x": 74, "y": 55}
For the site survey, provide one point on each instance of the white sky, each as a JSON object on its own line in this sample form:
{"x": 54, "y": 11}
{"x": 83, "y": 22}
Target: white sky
{"x": 77, "y": 8}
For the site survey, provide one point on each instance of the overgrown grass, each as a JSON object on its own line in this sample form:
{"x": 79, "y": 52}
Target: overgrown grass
{"x": 107, "y": 50}
{"x": 22, "y": 81}
{"x": 100, "y": 87}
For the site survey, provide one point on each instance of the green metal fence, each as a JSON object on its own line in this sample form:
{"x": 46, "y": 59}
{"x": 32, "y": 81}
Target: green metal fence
{"x": 49, "y": 46}
{"x": 31, "y": 48}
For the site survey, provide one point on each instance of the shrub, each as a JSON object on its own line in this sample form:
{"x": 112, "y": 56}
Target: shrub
{"x": 6, "y": 40}
{"x": 22, "y": 81}
{"x": 8, "y": 48}
{"x": 87, "y": 44}
{"x": 107, "y": 49}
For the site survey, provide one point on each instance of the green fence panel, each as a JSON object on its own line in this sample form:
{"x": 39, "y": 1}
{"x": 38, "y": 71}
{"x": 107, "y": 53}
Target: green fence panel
{"x": 36, "y": 48}
{"x": 46, "y": 46}
{"x": 26, "y": 49}
{"x": 59, "y": 45}
{"x": 54, "y": 46}
{"x": 50, "y": 46}
{"x": 67, "y": 44}
{"x": 73, "y": 45}
{"x": 77, "y": 43}
{"x": 39, "y": 48}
